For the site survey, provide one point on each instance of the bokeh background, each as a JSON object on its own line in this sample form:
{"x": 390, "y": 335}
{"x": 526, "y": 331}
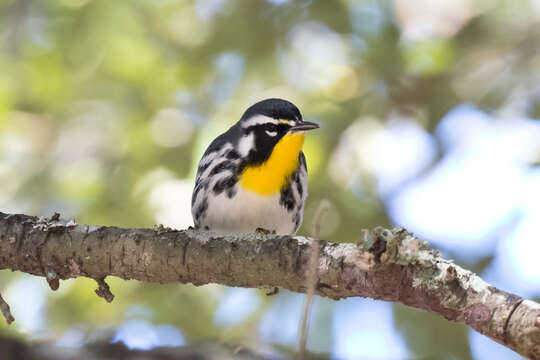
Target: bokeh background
{"x": 429, "y": 120}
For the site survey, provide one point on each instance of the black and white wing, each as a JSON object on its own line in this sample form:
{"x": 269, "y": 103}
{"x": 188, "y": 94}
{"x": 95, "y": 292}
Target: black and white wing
{"x": 216, "y": 173}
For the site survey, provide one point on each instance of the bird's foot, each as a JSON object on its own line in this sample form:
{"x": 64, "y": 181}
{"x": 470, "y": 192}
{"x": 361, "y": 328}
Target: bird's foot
{"x": 160, "y": 229}
{"x": 264, "y": 231}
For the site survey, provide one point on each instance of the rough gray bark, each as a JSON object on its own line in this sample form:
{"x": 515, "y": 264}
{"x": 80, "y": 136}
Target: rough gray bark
{"x": 390, "y": 265}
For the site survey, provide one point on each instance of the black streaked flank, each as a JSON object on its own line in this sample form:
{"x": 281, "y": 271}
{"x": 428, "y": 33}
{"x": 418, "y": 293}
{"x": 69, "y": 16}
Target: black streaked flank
{"x": 296, "y": 220}
{"x": 201, "y": 210}
{"x": 287, "y": 197}
{"x": 195, "y": 193}
{"x": 298, "y": 184}
{"x": 224, "y": 184}
{"x": 203, "y": 184}
{"x": 222, "y": 166}
{"x": 231, "y": 192}
{"x": 302, "y": 160}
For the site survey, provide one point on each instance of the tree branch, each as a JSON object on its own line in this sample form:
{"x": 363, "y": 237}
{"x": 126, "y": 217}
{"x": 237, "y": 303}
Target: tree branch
{"x": 6, "y": 312}
{"x": 389, "y": 265}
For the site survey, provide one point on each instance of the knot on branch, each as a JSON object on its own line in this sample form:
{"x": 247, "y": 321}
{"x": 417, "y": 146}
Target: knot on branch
{"x": 397, "y": 246}
{"x": 52, "y": 279}
{"x": 103, "y": 290}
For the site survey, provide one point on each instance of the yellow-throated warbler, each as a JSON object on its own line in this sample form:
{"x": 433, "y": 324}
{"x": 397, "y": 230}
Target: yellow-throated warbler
{"x": 254, "y": 175}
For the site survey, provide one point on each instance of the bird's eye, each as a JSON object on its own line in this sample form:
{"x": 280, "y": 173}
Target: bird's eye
{"x": 271, "y": 129}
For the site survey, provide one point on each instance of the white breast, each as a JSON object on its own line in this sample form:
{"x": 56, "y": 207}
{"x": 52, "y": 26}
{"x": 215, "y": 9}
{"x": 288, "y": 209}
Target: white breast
{"x": 247, "y": 211}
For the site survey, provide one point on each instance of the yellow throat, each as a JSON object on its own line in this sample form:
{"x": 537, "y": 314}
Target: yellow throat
{"x": 269, "y": 177}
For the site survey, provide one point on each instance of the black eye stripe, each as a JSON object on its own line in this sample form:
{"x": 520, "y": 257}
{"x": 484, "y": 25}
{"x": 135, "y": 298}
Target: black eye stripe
{"x": 254, "y": 127}
{"x": 281, "y": 127}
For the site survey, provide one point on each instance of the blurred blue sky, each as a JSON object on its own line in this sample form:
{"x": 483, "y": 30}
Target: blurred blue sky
{"x": 481, "y": 196}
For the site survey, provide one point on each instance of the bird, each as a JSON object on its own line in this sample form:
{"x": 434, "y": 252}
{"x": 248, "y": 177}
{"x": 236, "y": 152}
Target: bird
{"x": 253, "y": 177}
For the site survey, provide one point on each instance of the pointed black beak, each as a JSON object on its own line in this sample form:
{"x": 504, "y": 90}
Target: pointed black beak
{"x": 304, "y": 126}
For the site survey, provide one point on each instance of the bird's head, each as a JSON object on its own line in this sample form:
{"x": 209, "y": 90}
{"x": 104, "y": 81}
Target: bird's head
{"x": 268, "y": 125}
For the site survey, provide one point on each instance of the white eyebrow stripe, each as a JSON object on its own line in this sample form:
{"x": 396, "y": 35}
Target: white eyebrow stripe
{"x": 259, "y": 120}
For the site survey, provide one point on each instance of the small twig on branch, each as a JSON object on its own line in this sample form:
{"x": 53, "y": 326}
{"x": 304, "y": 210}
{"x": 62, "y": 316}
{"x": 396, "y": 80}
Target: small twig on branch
{"x": 52, "y": 279}
{"x": 104, "y": 290}
{"x": 273, "y": 292}
{"x": 312, "y": 275}
{"x": 4, "y": 308}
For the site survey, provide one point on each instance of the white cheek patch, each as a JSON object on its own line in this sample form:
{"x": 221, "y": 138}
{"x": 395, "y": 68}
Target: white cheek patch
{"x": 271, "y": 133}
{"x": 246, "y": 143}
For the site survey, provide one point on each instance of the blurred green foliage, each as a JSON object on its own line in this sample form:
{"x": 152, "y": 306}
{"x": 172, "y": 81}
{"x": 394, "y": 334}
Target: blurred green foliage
{"x": 91, "y": 91}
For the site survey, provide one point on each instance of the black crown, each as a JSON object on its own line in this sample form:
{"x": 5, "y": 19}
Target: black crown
{"x": 274, "y": 108}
